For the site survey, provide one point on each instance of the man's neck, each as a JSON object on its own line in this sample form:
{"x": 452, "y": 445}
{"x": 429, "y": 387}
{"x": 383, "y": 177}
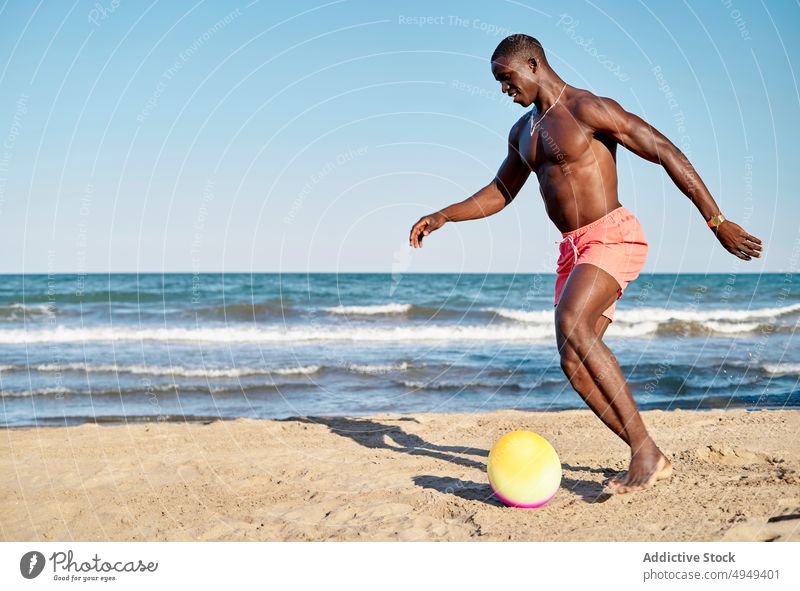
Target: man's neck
{"x": 549, "y": 91}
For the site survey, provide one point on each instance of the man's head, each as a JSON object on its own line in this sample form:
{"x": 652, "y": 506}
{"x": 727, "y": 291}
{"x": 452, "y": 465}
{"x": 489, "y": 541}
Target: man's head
{"x": 519, "y": 64}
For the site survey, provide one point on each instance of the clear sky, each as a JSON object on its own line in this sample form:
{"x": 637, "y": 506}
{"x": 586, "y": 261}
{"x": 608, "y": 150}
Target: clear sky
{"x": 309, "y": 136}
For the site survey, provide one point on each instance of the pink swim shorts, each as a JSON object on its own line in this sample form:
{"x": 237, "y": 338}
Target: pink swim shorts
{"x": 615, "y": 243}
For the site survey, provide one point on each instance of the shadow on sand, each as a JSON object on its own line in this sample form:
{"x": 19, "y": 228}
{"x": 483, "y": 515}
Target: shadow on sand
{"x": 375, "y": 435}
{"x": 379, "y": 436}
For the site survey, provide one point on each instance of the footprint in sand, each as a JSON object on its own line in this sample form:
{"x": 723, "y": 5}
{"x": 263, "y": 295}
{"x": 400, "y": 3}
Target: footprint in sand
{"x": 784, "y": 528}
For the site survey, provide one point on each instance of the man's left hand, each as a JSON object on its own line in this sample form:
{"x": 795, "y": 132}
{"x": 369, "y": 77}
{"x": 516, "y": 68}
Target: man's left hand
{"x": 735, "y": 240}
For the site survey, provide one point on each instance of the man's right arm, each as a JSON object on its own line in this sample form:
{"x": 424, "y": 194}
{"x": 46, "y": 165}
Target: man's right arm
{"x": 492, "y": 198}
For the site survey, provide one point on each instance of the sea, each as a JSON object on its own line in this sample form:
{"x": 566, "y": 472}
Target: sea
{"x": 124, "y": 348}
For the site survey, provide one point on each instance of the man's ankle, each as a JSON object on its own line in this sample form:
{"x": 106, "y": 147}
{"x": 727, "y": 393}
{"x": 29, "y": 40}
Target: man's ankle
{"x": 647, "y": 446}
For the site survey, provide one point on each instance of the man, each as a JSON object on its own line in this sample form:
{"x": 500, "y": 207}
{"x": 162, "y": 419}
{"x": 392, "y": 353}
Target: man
{"x": 570, "y": 142}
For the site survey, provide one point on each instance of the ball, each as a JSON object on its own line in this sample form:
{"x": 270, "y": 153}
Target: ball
{"x": 524, "y": 469}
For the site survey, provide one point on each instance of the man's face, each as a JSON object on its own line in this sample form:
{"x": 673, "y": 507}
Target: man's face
{"x": 516, "y": 79}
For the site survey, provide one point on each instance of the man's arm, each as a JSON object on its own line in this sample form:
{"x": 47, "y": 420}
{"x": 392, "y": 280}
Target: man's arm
{"x": 492, "y": 198}
{"x": 606, "y": 116}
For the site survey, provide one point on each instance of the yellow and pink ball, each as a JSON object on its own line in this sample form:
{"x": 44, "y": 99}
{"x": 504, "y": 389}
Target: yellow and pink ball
{"x": 524, "y": 469}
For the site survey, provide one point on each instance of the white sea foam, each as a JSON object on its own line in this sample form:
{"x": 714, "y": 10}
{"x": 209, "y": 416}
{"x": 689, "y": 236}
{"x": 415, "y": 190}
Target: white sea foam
{"x": 720, "y": 381}
{"x": 782, "y": 369}
{"x": 370, "y": 310}
{"x": 730, "y": 327}
{"x": 423, "y": 333}
{"x": 537, "y": 316}
{"x": 643, "y": 321}
{"x": 62, "y": 391}
{"x": 189, "y": 372}
{"x": 26, "y": 310}
{"x": 37, "y": 308}
{"x": 620, "y": 329}
{"x": 531, "y": 325}
{"x": 467, "y": 383}
{"x": 660, "y": 315}
{"x": 40, "y": 392}
{"x": 377, "y": 369}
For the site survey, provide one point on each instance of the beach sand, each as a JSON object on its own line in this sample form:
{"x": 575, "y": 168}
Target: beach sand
{"x": 395, "y": 477}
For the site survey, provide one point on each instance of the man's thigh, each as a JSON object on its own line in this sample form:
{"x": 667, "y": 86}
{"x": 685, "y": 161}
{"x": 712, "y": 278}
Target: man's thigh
{"x": 588, "y": 292}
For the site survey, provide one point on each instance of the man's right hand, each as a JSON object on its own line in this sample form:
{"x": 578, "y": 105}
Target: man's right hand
{"x": 425, "y": 226}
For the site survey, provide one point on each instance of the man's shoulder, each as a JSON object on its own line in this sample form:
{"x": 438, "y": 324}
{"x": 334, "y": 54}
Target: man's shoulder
{"x": 590, "y": 108}
{"x": 583, "y": 101}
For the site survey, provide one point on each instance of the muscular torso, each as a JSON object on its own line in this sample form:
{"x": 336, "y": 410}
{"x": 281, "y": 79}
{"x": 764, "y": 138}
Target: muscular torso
{"x": 576, "y": 168}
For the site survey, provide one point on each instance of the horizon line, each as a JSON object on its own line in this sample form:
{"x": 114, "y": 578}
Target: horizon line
{"x": 105, "y": 273}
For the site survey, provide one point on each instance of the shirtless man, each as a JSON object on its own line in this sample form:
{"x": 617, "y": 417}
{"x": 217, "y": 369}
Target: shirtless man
{"x": 570, "y": 142}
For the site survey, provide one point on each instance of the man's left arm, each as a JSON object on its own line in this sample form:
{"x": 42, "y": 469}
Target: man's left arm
{"x": 606, "y": 116}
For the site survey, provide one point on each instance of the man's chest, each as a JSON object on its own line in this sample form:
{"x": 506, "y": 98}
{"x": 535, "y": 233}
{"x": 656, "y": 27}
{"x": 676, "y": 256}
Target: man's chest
{"x": 555, "y": 140}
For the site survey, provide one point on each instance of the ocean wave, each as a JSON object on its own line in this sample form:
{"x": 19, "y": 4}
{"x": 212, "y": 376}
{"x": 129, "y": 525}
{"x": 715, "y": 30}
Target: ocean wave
{"x": 720, "y": 328}
{"x": 467, "y": 383}
{"x": 730, "y": 327}
{"x": 782, "y": 369}
{"x": 150, "y": 389}
{"x": 230, "y": 334}
{"x": 55, "y": 390}
{"x": 423, "y": 333}
{"x": 660, "y": 315}
{"x": 245, "y": 310}
{"x": 720, "y": 381}
{"x": 663, "y": 315}
{"x": 537, "y": 316}
{"x": 64, "y": 391}
{"x": 42, "y": 295}
{"x": 187, "y": 372}
{"x": 204, "y": 372}
{"x": 377, "y": 369}
{"x": 620, "y": 329}
{"x": 644, "y": 321}
{"x": 17, "y": 310}
{"x": 378, "y": 309}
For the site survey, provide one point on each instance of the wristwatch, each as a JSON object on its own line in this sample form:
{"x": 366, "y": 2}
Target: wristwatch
{"x": 716, "y": 220}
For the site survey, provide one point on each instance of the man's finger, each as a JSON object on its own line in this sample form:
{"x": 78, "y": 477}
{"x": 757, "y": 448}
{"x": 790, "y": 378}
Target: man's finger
{"x": 745, "y": 248}
{"x": 753, "y": 239}
{"x": 735, "y": 251}
{"x": 754, "y": 245}
{"x": 423, "y": 231}
{"x": 415, "y": 233}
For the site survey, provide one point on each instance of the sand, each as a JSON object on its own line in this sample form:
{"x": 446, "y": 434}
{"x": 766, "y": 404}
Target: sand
{"x": 395, "y": 477}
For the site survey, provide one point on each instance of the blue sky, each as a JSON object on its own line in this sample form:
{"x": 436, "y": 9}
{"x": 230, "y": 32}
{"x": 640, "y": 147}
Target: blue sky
{"x": 309, "y": 136}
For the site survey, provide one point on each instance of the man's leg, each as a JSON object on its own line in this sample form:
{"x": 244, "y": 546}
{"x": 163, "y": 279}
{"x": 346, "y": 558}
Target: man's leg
{"x": 582, "y": 382}
{"x": 587, "y": 293}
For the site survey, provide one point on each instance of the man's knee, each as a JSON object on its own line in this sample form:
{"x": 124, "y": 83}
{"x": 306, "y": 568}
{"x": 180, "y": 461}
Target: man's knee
{"x": 570, "y": 362}
{"x": 575, "y": 326}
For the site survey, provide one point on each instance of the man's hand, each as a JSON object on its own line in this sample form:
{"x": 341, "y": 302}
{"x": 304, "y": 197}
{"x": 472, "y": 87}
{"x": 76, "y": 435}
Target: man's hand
{"x": 425, "y": 226}
{"x": 737, "y": 241}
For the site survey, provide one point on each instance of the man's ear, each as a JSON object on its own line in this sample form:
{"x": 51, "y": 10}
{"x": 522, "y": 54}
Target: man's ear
{"x": 532, "y": 64}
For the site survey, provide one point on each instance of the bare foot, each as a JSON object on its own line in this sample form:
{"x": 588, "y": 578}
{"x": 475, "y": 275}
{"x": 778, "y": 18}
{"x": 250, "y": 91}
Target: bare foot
{"x": 645, "y": 469}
